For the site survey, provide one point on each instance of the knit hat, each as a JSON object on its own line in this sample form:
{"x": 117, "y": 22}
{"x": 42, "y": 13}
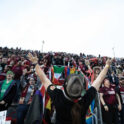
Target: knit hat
{"x": 74, "y": 85}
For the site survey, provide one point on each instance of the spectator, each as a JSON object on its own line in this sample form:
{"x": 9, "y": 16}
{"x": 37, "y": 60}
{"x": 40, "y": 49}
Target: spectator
{"x": 110, "y": 103}
{"x": 114, "y": 78}
{"x": 17, "y": 69}
{"x": 25, "y": 99}
{"x": 7, "y": 91}
{"x": 14, "y": 59}
{"x": 3, "y": 73}
{"x": 70, "y": 106}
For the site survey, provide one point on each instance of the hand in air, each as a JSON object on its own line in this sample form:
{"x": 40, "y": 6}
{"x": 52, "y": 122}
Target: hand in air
{"x": 32, "y": 58}
{"x": 109, "y": 62}
{"x": 87, "y": 62}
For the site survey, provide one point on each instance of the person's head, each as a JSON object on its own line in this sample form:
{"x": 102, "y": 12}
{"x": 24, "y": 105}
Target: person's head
{"x": 9, "y": 75}
{"x": 106, "y": 82}
{"x": 121, "y": 81}
{"x": 97, "y": 70}
{"x": 4, "y": 60}
{"x": 74, "y": 85}
{"x": 22, "y": 58}
{"x": 31, "y": 81}
{"x": 13, "y": 56}
{"x": 75, "y": 88}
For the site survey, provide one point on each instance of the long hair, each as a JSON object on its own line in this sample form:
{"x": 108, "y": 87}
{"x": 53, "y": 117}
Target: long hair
{"x": 76, "y": 114}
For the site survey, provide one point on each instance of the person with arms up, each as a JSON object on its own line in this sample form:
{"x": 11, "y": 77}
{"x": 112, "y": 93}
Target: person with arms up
{"x": 71, "y": 102}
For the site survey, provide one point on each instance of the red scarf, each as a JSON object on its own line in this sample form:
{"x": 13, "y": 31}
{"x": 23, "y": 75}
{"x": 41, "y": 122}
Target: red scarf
{"x": 24, "y": 91}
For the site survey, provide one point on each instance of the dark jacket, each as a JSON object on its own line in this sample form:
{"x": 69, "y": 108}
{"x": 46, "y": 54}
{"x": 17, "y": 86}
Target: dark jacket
{"x": 35, "y": 112}
{"x": 9, "y": 95}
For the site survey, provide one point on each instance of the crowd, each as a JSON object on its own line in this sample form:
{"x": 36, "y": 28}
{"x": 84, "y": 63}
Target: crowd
{"x": 19, "y": 80}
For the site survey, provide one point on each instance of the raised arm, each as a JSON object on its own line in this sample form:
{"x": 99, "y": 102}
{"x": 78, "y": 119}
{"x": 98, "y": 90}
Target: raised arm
{"x": 101, "y": 76}
{"x": 87, "y": 62}
{"x": 44, "y": 80}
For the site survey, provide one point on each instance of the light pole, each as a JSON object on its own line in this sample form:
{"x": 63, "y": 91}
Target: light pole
{"x": 42, "y": 45}
{"x": 113, "y": 51}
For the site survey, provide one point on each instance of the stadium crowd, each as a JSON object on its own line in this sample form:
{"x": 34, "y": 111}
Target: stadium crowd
{"x": 19, "y": 83}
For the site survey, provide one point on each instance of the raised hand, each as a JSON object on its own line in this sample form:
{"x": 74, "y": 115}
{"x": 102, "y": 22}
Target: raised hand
{"x": 87, "y": 62}
{"x": 32, "y": 58}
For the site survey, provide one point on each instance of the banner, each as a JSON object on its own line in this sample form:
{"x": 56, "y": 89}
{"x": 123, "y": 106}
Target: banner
{"x": 3, "y": 117}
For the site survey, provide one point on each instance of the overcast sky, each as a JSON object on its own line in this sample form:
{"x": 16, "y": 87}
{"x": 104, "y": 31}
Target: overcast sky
{"x": 74, "y": 26}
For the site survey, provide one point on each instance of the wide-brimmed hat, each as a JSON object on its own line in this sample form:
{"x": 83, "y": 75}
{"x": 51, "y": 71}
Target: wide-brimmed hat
{"x": 75, "y": 85}
{"x": 96, "y": 67}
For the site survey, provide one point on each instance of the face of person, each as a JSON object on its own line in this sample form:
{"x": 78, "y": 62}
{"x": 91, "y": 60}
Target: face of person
{"x": 107, "y": 83}
{"x": 4, "y": 60}
{"x": 22, "y": 59}
{"x": 9, "y": 76}
{"x": 97, "y": 71}
{"x": 121, "y": 82}
{"x": 31, "y": 81}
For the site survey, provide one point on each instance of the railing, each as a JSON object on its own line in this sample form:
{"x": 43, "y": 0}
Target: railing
{"x": 97, "y": 114}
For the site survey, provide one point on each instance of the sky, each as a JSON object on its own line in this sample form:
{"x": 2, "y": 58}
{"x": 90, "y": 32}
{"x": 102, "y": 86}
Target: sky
{"x": 73, "y": 26}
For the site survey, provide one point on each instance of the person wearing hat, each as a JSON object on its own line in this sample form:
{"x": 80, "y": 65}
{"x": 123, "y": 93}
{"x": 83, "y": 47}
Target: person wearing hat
{"x": 7, "y": 91}
{"x": 71, "y": 100}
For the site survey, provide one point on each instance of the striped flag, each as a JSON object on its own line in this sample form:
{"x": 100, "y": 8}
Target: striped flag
{"x": 57, "y": 74}
{"x": 42, "y": 90}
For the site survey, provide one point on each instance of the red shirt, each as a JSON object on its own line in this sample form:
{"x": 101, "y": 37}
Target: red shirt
{"x": 17, "y": 71}
{"x": 109, "y": 95}
{"x": 2, "y": 76}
